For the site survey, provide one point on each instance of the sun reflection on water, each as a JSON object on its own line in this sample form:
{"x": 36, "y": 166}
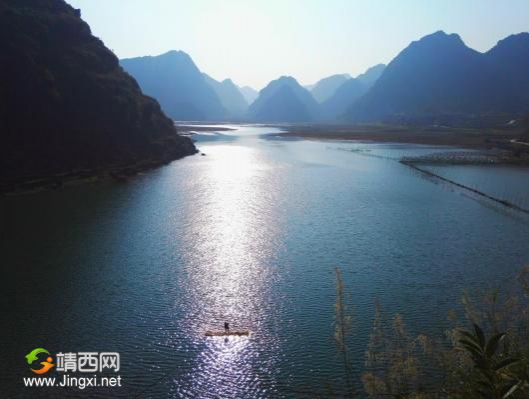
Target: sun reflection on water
{"x": 229, "y": 275}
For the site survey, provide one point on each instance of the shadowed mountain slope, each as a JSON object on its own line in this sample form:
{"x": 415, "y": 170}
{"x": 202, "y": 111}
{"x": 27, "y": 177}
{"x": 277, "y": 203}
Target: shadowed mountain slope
{"x": 66, "y": 104}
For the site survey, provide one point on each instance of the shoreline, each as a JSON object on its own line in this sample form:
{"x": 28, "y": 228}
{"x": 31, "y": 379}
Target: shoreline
{"x": 433, "y": 135}
{"x": 118, "y": 173}
{"x": 503, "y": 140}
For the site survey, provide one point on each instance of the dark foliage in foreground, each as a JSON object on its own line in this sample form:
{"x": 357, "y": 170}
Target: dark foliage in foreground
{"x": 484, "y": 355}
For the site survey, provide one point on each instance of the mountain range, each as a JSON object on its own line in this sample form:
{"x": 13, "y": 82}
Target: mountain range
{"x": 176, "y": 82}
{"x": 66, "y": 104}
{"x": 186, "y": 93}
{"x": 438, "y": 79}
{"x": 326, "y": 100}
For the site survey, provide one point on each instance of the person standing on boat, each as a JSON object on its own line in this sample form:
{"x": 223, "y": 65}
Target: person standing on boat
{"x": 226, "y": 327}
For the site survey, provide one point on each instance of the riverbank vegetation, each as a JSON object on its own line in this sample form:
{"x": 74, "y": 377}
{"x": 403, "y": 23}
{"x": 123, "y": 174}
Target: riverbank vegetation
{"x": 484, "y": 353}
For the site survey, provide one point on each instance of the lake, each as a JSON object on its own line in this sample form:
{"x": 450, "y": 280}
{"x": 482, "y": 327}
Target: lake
{"x": 250, "y": 233}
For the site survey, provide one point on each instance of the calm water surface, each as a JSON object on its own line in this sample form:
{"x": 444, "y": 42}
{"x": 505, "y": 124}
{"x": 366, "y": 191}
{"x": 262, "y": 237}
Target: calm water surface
{"x": 250, "y": 234}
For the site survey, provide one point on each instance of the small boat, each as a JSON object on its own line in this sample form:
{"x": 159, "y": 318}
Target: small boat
{"x": 243, "y": 333}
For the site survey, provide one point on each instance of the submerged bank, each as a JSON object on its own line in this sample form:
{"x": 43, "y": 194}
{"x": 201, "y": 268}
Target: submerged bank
{"x": 508, "y": 150}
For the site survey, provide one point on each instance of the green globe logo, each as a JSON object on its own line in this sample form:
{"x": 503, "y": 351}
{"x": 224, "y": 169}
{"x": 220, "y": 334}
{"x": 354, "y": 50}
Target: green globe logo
{"x": 32, "y": 357}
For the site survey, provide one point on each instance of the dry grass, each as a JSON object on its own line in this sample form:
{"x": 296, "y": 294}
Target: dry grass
{"x": 398, "y": 365}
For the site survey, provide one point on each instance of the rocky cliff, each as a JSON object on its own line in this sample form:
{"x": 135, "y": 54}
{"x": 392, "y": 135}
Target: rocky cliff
{"x": 65, "y": 102}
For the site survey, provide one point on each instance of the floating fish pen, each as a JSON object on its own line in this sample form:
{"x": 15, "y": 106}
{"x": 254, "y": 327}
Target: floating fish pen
{"x": 365, "y": 152}
{"x": 448, "y": 158}
{"x": 459, "y": 158}
{"x": 480, "y": 193}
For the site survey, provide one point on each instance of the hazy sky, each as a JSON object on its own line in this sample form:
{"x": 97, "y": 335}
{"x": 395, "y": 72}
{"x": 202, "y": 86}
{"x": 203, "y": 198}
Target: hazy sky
{"x": 254, "y": 41}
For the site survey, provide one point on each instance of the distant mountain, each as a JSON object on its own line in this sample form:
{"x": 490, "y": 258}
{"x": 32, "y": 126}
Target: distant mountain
{"x": 175, "y": 81}
{"x": 326, "y": 87}
{"x": 337, "y": 93}
{"x": 369, "y": 77}
{"x": 337, "y": 105}
{"x": 249, "y": 94}
{"x": 438, "y": 79}
{"x": 284, "y": 100}
{"x": 230, "y": 96}
{"x": 509, "y": 60}
{"x": 66, "y": 104}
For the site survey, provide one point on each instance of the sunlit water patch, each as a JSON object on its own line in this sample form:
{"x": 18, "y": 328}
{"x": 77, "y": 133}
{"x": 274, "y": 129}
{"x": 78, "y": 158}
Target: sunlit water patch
{"x": 249, "y": 234}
